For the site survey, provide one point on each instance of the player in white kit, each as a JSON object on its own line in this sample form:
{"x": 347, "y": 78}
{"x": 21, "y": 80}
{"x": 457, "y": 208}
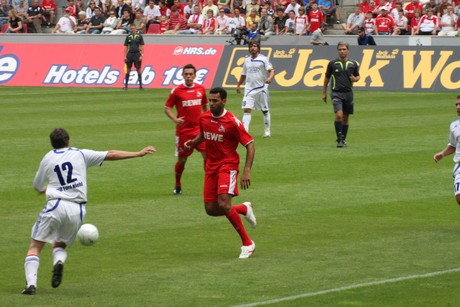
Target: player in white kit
{"x": 258, "y": 73}
{"x": 63, "y": 169}
{"x": 453, "y": 146}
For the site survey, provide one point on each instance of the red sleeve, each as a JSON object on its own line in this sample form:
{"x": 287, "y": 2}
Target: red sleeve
{"x": 171, "y": 102}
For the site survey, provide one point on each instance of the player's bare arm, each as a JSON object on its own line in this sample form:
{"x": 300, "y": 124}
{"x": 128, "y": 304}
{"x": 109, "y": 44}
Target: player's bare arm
{"x": 271, "y": 75}
{"x": 177, "y": 120}
{"x": 354, "y": 78}
{"x": 326, "y": 83}
{"x": 113, "y": 155}
{"x": 195, "y": 141}
{"x": 445, "y": 152}
{"x": 241, "y": 81}
{"x": 246, "y": 177}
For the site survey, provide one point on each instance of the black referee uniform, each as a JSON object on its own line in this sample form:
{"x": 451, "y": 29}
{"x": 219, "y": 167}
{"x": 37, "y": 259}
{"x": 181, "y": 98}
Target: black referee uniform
{"x": 339, "y": 73}
{"x": 133, "y": 43}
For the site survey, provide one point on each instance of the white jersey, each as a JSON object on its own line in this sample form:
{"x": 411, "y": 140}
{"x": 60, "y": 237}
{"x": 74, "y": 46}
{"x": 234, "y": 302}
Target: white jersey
{"x": 454, "y": 139}
{"x": 256, "y": 71}
{"x": 65, "y": 172}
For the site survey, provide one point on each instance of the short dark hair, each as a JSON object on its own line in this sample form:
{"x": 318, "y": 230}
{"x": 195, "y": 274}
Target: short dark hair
{"x": 189, "y": 66}
{"x": 59, "y": 138}
{"x": 219, "y": 90}
{"x": 360, "y": 29}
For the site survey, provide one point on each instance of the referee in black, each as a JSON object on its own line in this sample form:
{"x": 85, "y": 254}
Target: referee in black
{"x": 134, "y": 53}
{"x": 342, "y": 72}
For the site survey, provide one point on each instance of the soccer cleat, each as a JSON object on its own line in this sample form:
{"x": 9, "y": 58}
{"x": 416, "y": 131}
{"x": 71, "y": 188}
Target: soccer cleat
{"x": 250, "y": 217}
{"x": 141, "y": 88}
{"x": 30, "y": 290}
{"x": 340, "y": 144}
{"x": 125, "y": 88}
{"x": 177, "y": 190}
{"x": 267, "y": 134}
{"x": 246, "y": 251}
{"x": 57, "y": 274}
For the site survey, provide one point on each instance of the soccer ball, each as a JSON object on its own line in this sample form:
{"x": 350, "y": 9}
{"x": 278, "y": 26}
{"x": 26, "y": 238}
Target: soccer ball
{"x": 88, "y": 234}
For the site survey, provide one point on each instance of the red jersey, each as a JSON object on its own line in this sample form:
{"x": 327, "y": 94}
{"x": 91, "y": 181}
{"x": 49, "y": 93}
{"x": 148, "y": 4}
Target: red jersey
{"x": 384, "y": 24}
{"x": 221, "y": 136}
{"x": 49, "y": 5}
{"x": 410, "y": 8}
{"x": 414, "y": 22}
{"x": 365, "y": 7}
{"x": 179, "y": 19}
{"x": 315, "y": 18}
{"x": 209, "y": 23}
{"x": 189, "y": 102}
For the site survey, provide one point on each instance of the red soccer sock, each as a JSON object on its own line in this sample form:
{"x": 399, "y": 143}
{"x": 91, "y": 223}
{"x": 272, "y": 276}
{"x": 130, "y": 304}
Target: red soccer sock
{"x": 179, "y": 169}
{"x": 235, "y": 219}
{"x": 241, "y": 209}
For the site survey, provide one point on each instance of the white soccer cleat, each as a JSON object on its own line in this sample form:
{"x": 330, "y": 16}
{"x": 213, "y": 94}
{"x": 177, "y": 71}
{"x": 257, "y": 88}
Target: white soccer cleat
{"x": 250, "y": 217}
{"x": 267, "y": 134}
{"x": 246, "y": 251}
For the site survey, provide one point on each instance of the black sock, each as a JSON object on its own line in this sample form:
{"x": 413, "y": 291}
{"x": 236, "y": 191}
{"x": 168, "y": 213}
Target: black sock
{"x": 338, "y": 129}
{"x": 126, "y": 79}
{"x": 139, "y": 76}
{"x": 344, "y": 131}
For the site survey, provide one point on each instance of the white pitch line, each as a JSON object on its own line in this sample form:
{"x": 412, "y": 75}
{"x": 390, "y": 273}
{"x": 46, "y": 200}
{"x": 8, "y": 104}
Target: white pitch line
{"x": 362, "y": 285}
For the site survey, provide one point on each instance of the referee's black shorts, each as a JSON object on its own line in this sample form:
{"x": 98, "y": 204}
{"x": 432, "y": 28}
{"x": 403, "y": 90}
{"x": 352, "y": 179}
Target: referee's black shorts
{"x": 133, "y": 58}
{"x": 342, "y": 101}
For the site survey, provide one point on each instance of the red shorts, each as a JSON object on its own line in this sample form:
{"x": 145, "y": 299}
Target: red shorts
{"x": 181, "y": 151}
{"x": 220, "y": 182}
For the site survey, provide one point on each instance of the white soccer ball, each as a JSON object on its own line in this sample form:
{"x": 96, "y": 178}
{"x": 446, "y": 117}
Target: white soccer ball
{"x": 88, "y": 234}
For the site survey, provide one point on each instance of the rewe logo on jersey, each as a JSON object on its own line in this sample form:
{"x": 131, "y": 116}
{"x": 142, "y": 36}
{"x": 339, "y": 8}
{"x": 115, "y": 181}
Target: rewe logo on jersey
{"x": 9, "y": 66}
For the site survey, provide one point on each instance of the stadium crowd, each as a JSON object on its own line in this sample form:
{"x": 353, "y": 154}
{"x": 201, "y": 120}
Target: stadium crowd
{"x": 245, "y": 19}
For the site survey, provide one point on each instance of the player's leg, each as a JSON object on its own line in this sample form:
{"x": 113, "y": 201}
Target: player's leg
{"x": 59, "y": 258}
{"x": 457, "y": 182}
{"x": 182, "y": 154}
{"x": 247, "y": 106}
{"x": 31, "y": 264}
{"x": 264, "y": 100}
{"x": 129, "y": 64}
{"x": 138, "y": 65}
{"x": 337, "y": 103}
{"x": 348, "y": 108}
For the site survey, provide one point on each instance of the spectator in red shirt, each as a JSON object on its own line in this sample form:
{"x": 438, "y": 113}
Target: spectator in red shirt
{"x": 177, "y": 22}
{"x": 49, "y": 9}
{"x": 315, "y": 17}
{"x": 411, "y": 7}
{"x": 384, "y": 23}
{"x": 209, "y": 23}
{"x": 414, "y": 22}
{"x": 365, "y": 6}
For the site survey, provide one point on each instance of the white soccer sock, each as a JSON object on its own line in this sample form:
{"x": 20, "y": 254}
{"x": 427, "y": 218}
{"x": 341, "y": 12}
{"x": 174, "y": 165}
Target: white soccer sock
{"x": 31, "y": 265}
{"x": 267, "y": 121}
{"x": 246, "y": 120}
{"x": 59, "y": 254}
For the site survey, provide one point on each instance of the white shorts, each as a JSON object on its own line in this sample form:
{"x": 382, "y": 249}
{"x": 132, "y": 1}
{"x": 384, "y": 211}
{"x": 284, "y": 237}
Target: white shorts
{"x": 59, "y": 221}
{"x": 456, "y": 174}
{"x": 257, "y": 101}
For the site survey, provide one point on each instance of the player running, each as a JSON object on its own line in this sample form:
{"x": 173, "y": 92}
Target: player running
{"x": 190, "y": 101}
{"x": 64, "y": 169}
{"x": 258, "y": 73}
{"x": 221, "y": 131}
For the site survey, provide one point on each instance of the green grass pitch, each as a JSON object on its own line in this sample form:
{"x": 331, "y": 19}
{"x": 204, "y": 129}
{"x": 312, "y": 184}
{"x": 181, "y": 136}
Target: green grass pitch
{"x": 358, "y": 226}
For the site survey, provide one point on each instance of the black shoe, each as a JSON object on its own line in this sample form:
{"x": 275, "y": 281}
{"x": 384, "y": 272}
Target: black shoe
{"x": 177, "y": 190}
{"x": 141, "y": 88}
{"x": 57, "y": 274}
{"x": 30, "y": 290}
{"x": 341, "y": 143}
{"x": 125, "y": 88}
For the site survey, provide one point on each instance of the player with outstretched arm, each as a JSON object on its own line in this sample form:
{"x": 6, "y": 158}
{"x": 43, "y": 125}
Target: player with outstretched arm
{"x": 63, "y": 169}
{"x": 221, "y": 131}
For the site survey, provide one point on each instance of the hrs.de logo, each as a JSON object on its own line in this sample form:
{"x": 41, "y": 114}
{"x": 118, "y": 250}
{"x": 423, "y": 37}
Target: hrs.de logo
{"x": 9, "y": 65}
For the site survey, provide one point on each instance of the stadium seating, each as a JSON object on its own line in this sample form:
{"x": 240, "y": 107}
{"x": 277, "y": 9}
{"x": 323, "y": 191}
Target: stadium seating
{"x": 5, "y": 27}
{"x": 154, "y": 28}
